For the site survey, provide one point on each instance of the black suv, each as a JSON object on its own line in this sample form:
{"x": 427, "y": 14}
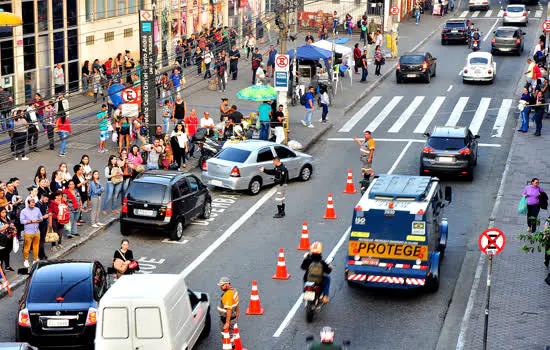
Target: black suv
{"x": 414, "y": 65}
{"x": 164, "y": 201}
{"x": 455, "y": 30}
{"x": 59, "y": 305}
{"x": 450, "y": 149}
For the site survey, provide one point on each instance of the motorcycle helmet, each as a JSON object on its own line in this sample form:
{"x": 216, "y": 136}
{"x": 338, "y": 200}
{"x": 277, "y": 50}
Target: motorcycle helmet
{"x": 327, "y": 335}
{"x": 316, "y": 248}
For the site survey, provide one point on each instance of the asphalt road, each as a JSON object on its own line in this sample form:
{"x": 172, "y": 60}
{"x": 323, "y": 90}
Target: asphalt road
{"x": 247, "y": 240}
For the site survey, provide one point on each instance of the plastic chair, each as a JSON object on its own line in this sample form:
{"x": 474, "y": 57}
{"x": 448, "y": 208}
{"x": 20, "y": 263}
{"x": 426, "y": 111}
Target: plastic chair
{"x": 336, "y": 80}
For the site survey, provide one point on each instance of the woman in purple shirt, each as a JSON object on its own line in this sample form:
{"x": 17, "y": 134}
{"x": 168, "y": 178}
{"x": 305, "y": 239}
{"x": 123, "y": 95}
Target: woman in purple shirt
{"x": 532, "y": 193}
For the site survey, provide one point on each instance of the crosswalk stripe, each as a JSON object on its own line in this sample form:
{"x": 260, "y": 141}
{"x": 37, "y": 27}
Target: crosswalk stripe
{"x": 475, "y": 14}
{"x": 481, "y": 111}
{"x": 407, "y": 114}
{"x": 503, "y": 112}
{"x": 384, "y": 113}
{"x": 488, "y": 13}
{"x": 464, "y": 14}
{"x": 538, "y": 13}
{"x": 360, "y": 114}
{"x": 430, "y": 114}
{"x": 500, "y": 13}
{"x": 457, "y": 111}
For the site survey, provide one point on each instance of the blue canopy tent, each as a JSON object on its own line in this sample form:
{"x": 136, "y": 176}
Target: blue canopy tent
{"x": 310, "y": 52}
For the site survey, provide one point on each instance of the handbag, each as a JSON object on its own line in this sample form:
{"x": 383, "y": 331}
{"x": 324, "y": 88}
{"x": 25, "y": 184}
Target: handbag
{"x": 522, "y": 206}
{"x": 140, "y": 168}
{"x": 116, "y": 176}
{"x": 133, "y": 265}
{"x": 51, "y": 236}
{"x": 15, "y": 245}
{"x": 120, "y": 266}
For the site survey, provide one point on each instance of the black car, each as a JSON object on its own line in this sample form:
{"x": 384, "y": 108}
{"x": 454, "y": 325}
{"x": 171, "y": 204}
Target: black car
{"x": 414, "y": 65}
{"x": 507, "y": 39}
{"x": 59, "y": 305}
{"x": 455, "y": 30}
{"x": 164, "y": 201}
{"x": 450, "y": 149}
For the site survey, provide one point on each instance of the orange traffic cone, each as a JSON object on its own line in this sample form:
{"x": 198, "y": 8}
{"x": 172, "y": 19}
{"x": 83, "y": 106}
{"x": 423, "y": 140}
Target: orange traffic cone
{"x": 254, "y": 308}
{"x": 5, "y": 283}
{"x": 329, "y": 213}
{"x": 226, "y": 344}
{"x": 281, "y": 273}
{"x": 304, "y": 241}
{"x": 237, "y": 338}
{"x": 350, "y": 187}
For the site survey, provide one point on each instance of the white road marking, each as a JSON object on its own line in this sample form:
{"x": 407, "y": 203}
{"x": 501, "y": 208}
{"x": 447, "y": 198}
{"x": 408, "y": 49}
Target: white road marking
{"x": 331, "y": 256}
{"x": 481, "y": 111}
{"x": 461, "y": 71}
{"x": 232, "y": 229}
{"x": 491, "y": 30}
{"x": 538, "y": 13}
{"x": 430, "y": 115}
{"x": 475, "y": 14}
{"x": 491, "y": 145}
{"x": 450, "y": 88}
{"x": 503, "y": 112}
{"x": 383, "y": 115}
{"x": 488, "y": 13}
{"x": 464, "y": 14}
{"x": 457, "y": 111}
{"x": 360, "y": 114}
{"x": 500, "y": 14}
{"x": 407, "y": 114}
{"x": 166, "y": 240}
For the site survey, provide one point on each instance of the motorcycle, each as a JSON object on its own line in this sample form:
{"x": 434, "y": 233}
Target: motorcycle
{"x": 345, "y": 344}
{"x": 208, "y": 147}
{"x": 475, "y": 41}
{"x": 312, "y": 299}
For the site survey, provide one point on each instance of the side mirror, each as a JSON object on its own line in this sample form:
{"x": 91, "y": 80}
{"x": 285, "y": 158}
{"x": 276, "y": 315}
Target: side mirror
{"x": 448, "y": 194}
{"x": 309, "y": 338}
{"x": 204, "y": 297}
{"x": 427, "y": 134}
{"x": 476, "y": 137}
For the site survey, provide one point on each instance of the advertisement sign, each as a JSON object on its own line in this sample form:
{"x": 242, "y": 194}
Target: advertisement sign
{"x": 281, "y": 81}
{"x": 147, "y": 52}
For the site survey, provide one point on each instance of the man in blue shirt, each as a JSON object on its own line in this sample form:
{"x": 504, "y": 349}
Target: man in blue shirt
{"x": 265, "y": 111}
{"x": 271, "y": 61}
{"x": 310, "y": 107}
{"x": 176, "y": 79}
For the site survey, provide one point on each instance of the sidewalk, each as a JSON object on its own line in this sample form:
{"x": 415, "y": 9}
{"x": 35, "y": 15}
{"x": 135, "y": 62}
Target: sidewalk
{"x": 519, "y": 313}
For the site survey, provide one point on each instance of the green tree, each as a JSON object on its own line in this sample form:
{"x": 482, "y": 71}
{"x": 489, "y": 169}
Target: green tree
{"x": 536, "y": 241}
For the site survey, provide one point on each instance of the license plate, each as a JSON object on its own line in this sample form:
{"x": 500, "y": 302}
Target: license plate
{"x": 411, "y": 75}
{"x": 375, "y": 250}
{"x": 445, "y": 159}
{"x": 309, "y": 296}
{"x": 369, "y": 261}
{"x": 454, "y": 31}
{"x": 57, "y": 323}
{"x": 145, "y": 212}
{"x": 505, "y": 49}
{"x": 216, "y": 182}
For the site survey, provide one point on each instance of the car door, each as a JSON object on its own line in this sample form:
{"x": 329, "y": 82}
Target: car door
{"x": 265, "y": 159}
{"x": 289, "y": 159}
{"x": 186, "y": 202}
{"x": 199, "y": 313}
{"x": 195, "y": 190}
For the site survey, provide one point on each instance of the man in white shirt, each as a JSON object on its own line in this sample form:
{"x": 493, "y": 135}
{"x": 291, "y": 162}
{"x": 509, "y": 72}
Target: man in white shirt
{"x": 207, "y": 59}
{"x": 208, "y": 123}
{"x": 529, "y": 72}
{"x": 379, "y": 40}
{"x": 59, "y": 79}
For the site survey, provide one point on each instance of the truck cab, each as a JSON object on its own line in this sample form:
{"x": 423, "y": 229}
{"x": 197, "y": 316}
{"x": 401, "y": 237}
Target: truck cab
{"x": 398, "y": 233}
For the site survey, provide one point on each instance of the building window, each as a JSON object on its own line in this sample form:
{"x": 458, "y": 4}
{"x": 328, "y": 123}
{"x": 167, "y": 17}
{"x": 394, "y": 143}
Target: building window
{"x": 141, "y": 4}
{"x": 6, "y": 55}
{"x": 29, "y": 49}
{"x": 58, "y": 47}
{"x": 128, "y": 32}
{"x": 90, "y": 40}
{"x": 99, "y": 9}
{"x": 72, "y": 13}
{"x": 132, "y": 6}
{"x": 42, "y": 15}
{"x": 109, "y": 36}
{"x": 122, "y": 7}
{"x": 27, "y": 11}
{"x": 72, "y": 44}
{"x": 111, "y": 8}
{"x": 58, "y": 14}
{"x": 74, "y": 79}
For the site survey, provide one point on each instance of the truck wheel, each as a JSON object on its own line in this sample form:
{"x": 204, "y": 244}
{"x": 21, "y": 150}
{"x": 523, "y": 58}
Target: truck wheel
{"x": 432, "y": 284}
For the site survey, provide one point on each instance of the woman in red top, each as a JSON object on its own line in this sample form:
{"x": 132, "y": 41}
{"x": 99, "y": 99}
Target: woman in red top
{"x": 63, "y": 127}
{"x": 54, "y": 224}
{"x": 357, "y": 58}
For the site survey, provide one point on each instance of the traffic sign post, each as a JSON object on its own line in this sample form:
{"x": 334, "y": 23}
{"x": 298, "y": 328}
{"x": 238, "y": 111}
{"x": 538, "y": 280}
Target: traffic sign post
{"x": 282, "y": 63}
{"x": 281, "y": 81}
{"x": 394, "y": 10}
{"x": 491, "y": 242}
{"x": 546, "y": 26}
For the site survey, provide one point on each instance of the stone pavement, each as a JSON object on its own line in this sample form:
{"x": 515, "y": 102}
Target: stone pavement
{"x": 519, "y": 314}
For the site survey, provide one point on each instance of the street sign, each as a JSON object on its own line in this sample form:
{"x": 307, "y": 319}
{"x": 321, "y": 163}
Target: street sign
{"x": 282, "y": 63}
{"x": 546, "y": 26}
{"x": 492, "y": 241}
{"x": 281, "y": 81}
{"x": 130, "y": 95}
{"x": 394, "y": 10}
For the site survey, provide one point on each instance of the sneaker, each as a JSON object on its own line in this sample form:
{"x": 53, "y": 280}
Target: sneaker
{"x": 26, "y": 264}
{"x": 34, "y": 262}
{"x": 16, "y": 158}
{"x": 310, "y": 126}
{"x": 9, "y": 268}
{"x": 100, "y": 224}
{"x": 25, "y": 158}
{"x": 69, "y": 237}
{"x": 304, "y": 123}
{"x": 95, "y": 225}
{"x": 60, "y": 246}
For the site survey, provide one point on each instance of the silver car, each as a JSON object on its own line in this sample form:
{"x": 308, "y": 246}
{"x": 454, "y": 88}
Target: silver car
{"x": 515, "y": 14}
{"x": 237, "y": 166}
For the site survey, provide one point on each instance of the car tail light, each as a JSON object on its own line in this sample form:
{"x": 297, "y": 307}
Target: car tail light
{"x": 446, "y": 30}
{"x": 489, "y": 72}
{"x": 235, "y": 172}
{"x": 485, "y": 3}
{"x": 168, "y": 210}
{"x": 23, "y": 319}
{"x": 525, "y": 14}
{"x": 427, "y": 150}
{"x": 465, "y": 71}
{"x": 493, "y": 40}
{"x": 505, "y": 14}
{"x": 91, "y": 319}
{"x": 125, "y": 205}
{"x": 476, "y": 42}
{"x": 445, "y": 37}
{"x": 204, "y": 166}
{"x": 518, "y": 40}
{"x": 398, "y": 66}
{"x": 425, "y": 65}
{"x": 465, "y": 151}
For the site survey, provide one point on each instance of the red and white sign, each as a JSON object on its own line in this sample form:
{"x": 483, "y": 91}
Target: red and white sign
{"x": 546, "y": 26}
{"x": 492, "y": 241}
{"x": 131, "y": 95}
{"x": 394, "y": 10}
{"x": 145, "y": 16}
{"x": 282, "y": 63}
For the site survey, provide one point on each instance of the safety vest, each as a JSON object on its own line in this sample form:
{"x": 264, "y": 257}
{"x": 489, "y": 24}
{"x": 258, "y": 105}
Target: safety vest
{"x": 229, "y": 300}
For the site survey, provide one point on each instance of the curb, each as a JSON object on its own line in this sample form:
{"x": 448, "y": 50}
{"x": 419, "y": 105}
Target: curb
{"x": 388, "y": 73}
{"x": 20, "y": 279}
{"x": 316, "y": 138}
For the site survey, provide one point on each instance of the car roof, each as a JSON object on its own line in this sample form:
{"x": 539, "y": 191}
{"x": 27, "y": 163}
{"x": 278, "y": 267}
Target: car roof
{"x": 510, "y": 29}
{"x": 450, "y": 131}
{"x": 486, "y": 55}
{"x": 415, "y": 53}
{"x": 252, "y": 145}
{"x": 69, "y": 270}
{"x": 163, "y": 177}
{"x": 456, "y": 20}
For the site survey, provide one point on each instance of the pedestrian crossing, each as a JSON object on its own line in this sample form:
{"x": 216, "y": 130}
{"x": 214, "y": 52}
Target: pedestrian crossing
{"x": 495, "y": 13}
{"x": 485, "y": 116}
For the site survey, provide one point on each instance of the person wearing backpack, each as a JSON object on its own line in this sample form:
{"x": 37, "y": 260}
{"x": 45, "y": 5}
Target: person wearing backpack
{"x": 308, "y": 100}
{"x": 316, "y": 269}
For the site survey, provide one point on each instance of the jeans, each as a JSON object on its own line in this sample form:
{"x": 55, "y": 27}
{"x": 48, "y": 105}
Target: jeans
{"x": 166, "y": 124}
{"x": 264, "y": 131}
{"x": 31, "y": 240}
{"x": 96, "y": 204}
{"x": 377, "y": 70}
{"x": 207, "y": 73}
{"x": 166, "y": 95}
{"x": 32, "y": 138}
{"x": 19, "y": 138}
{"x": 49, "y": 129}
{"x": 125, "y": 185}
{"x": 524, "y": 119}
{"x": 221, "y": 83}
{"x": 417, "y": 17}
{"x": 63, "y": 136}
{"x": 326, "y": 285}
{"x": 350, "y": 30}
{"x": 364, "y": 73}
{"x": 150, "y": 166}
{"x": 538, "y": 121}
{"x": 4, "y": 116}
{"x": 112, "y": 192}
{"x": 532, "y": 211}
{"x": 57, "y": 227}
{"x": 325, "y": 111}
{"x": 74, "y": 222}
{"x": 309, "y": 114}
{"x": 85, "y": 84}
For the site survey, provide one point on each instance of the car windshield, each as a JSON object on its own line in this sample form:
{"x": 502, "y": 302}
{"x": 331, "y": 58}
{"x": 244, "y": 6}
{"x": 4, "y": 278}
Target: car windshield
{"x": 70, "y": 291}
{"x": 446, "y": 143}
{"x": 454, "y": 25}
{"x": 479, "y": 60}
{"x": 146, "y": 192}
{"x": 504, "y": 33}
{"x": 412, "y": 59}
{"x": 514, "y": 9}
{"x": 234, "y": 155}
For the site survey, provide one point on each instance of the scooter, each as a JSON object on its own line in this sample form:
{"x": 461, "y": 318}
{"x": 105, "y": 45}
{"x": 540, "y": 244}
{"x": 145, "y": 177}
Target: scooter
{"x": 208, "y": 147}
{"x": 312, "y": 299}
{"x": 345, "y": 344}
{"x": 475, "y": 45}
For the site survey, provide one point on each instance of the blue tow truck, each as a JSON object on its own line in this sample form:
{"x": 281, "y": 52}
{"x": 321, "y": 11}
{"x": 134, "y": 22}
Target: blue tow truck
{"x": 398, "y": 233}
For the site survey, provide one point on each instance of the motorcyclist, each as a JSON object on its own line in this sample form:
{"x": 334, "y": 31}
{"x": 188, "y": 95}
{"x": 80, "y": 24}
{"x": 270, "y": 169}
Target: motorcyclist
{"x": 476, "y": 35}
{"x": 311, "y": 262}
{"x": 327, "y": 341}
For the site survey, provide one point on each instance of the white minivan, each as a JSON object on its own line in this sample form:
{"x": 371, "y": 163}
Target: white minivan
{"x": 151, "y": 312}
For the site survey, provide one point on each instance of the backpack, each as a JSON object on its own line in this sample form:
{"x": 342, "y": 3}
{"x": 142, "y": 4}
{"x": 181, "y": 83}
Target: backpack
{"x": 64, "y": 216}
{"x": 303, "y": 99}
{"x": 315, "y": 272}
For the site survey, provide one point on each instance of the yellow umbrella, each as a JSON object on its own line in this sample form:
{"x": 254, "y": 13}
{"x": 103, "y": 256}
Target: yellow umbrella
{"x": 8, "y": 19}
